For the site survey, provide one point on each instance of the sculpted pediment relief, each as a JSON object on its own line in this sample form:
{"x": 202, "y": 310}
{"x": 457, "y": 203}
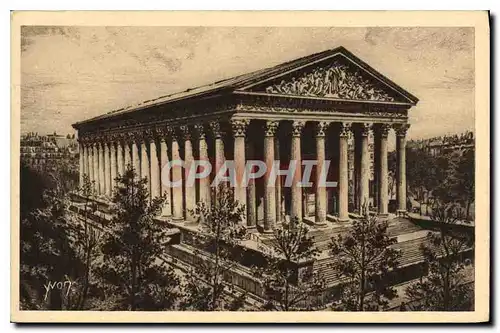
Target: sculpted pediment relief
{"x": 337, "y": 79}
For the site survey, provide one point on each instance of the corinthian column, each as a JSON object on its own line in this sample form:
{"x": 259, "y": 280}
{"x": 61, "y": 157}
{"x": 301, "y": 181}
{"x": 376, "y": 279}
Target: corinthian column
{"x": 136, "y": 160}
{"x": 85, "y": 159}
{"x": 102, "y": 170}
{"x": 203, "y": 152}
{"x": 81, "y": 153}
{"x": 166, "y": 190}
{"x": 127, "y": 155}
{"x": 269, "y": 187}
{"x": 382, "y": 168}
{"x": 154, "y": 168}
{"x": 320, "y": 198}
{"x": 239, "y": 127}
{"x": 177, "y": 203}
{"x": 113, "y": 163}
{"x": 401, "y": 165}
{"x": 343, "y": 171}
{"x": 95, "y": 168}
{"x": 364, "y": 195}
{"x": 107, "y": 170}
{"x": 219, "y": 149}
{"x": 277, "y": 158}
{"x": 90, "y": 162}
{"x": 189, "y": 187}
{"x": 145, "y": 162}
{"x": 251, "y": 192}
{"x": 119, "y": 157}
{"x": 296, "y": 157}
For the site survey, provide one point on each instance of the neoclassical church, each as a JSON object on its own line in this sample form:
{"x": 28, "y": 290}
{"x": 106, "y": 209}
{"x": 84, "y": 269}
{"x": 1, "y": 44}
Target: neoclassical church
{"x": 305, "y": 109}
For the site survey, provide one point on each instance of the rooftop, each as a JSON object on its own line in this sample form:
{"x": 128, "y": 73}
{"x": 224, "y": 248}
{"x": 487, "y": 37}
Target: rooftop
{"x": 241, "y": 82}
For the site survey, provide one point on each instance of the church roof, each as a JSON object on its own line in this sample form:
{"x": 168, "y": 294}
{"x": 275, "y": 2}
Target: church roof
{"x": 245, "y": 83}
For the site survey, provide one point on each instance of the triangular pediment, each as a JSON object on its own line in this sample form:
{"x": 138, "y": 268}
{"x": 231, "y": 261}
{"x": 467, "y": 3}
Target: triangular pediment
{"x": 337, "y": 76}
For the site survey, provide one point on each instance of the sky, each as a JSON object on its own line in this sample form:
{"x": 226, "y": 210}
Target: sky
{"x": 71, "y": 73}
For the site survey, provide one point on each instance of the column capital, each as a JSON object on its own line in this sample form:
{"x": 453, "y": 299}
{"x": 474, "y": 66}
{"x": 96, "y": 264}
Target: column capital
{"x": 239, "y": 126}
{"x": 84, "y": 141}
{"x": 383, "y": 130}
{"x": 216, "y": 129}
{"x": 164, "y": 133}
{"x": 297, "y": 126}
{"x": 185, "y": 132}
{"x": 94, "y": 139}
{"x": 270, "y": 127}
{"x": 345, "y": 129}
{"x": 123, "y": 139}
{"x": 401, "y": 129}
{"x": 115, "y": 137}
{"x": 201, "y": 131}
{"x": 149, "y": 135}
{"x": 365, "y": 129}
{"x": 321, "y": 128}
{"x": 133, "y": 137}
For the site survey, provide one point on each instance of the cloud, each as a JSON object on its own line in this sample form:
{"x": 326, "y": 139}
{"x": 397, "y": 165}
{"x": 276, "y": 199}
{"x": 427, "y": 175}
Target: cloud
{"x": 29, "y": 33}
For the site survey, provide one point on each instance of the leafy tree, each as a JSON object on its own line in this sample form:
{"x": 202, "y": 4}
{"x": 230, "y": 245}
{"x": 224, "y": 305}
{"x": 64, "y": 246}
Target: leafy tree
{"x": 287, "y": 287}
{"x": 461, "y": 178}
{"x": 47, "y": 254}
{"x": 419, "y": 173}
{"x": 364, "y": 259}
{"x": 87, "y": 242}
{"x": 47, "y": 245}
{"x": 444, "y": 288}
{"x": 135, "y": 276}
{"x": 221, "y": 231}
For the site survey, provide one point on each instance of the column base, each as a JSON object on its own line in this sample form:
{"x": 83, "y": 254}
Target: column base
{"x": 402, "y": 212}
{"x": 268, "y": 231}
{"x": 321, "y": 224}
{"x": 383, "y": 215}
{"x": 251, "y": 228}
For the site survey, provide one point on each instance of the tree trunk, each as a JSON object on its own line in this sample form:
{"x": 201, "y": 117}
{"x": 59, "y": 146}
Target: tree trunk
{"x": 134, "y": 281}
{"x": 286, "y": 296}
{"x": 362, "y": 279}
{"x": 215, "y": 291}
{"x": 446, "y": 291}
{"x": 55, "y": 299}
{"x": 88, "y": 250}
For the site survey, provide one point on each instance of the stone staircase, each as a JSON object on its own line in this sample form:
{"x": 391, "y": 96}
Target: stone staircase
{"x": 410, "y": 254}
{"x": 400, "y": 226}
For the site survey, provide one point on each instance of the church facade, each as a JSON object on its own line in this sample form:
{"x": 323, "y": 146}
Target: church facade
{"x": 306, "y": 109}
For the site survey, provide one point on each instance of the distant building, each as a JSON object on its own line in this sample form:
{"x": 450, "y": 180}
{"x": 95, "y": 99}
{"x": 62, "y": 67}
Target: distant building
{"x": 444, "y": 144}
{"x": 46, "y": 151}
